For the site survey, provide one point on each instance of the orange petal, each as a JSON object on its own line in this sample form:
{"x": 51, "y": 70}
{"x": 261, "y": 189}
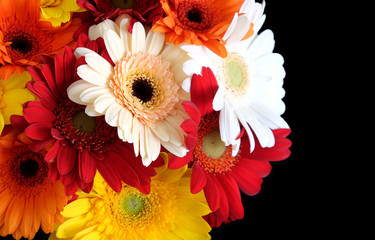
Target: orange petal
{"x": 5, "y": 198}
{"x": 216, "y": 47}
{"x": 250, "y": 32}
{"x": 26, "y": 225}
{"x": 169, "y": 22}
{"x": 14, "y": 214}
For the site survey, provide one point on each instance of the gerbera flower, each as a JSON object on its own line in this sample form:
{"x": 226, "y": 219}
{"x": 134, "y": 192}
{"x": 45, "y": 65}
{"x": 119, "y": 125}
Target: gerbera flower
{"x": 250, "y": 89}
{"x": 28, "y": 199}
{"x": 58, "y": 11}
{"x": 23, "y": 37}
{"x": 80, "y": 144}
{"x": 170, "y": 211}
{"x": 141, "y": 95}
{"x": 144, "y": 11}
{"x": 215, "y": 169}
{"x": 198, "y": 22}
{"x": 13, "y": 94}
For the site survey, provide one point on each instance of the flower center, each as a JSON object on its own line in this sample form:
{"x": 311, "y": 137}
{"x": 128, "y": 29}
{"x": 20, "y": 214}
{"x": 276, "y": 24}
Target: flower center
{"x": 145, "y": 85}
{"x": 197, "y": 16}
{"x": 84, "y": 122}
{"x": 123, "y": 4}
{"x": 29, "y": 168}
{"x": 133, "y": 204}
{"x": 210, "y": 152}
{"x": 81, "y": 130}
{"x": 233, "y": 74}
{"x": 22, "y": 43}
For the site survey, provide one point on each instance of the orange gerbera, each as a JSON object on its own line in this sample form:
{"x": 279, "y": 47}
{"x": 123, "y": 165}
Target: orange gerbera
{"x": 198, "y": 22}
{"x": 23, "y": 37}
{"x": 28, "y": 199}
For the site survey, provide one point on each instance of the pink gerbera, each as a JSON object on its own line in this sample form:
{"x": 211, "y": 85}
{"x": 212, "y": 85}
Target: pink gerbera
{"x": 215, "y": 170}
{"x": 80, "y": 144}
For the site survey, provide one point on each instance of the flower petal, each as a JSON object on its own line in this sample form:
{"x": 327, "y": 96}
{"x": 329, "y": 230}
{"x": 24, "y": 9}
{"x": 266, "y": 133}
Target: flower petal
{"x": 66, "y": 159}
{"x": 114, "y": 45}
{"x": 138, "y": 38}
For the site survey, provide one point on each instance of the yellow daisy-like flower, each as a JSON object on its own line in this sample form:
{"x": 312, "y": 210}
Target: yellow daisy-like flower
{"x": 58, "y": 11}
{"x": 170, "y": 211}
{"x": 13, "y": 94}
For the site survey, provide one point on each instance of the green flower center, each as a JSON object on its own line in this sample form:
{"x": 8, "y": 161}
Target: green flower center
{"x": 133, "y": 204}
{"x": 234, "y": 73}
{"x": 84, "y": 122}
{"x": 212, "y": 146}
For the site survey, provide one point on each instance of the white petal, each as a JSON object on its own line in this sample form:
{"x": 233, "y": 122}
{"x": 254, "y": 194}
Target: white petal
{"x": 90, "y": 110}
{"x": 186, "y": 84}
{"x": 262, "y": 44}
{"x": 98, "y": 30}
{"x": 191, "y": 67}
{"x": 103, "y": 102}
{"x": 179, "y": 151}
{"x": 112, "y": 114}
{"x": 82, "y": 51}
{"x": 152, "y": 144}
{"x": 75, "y": 89}
{"x": 136, "y": 129}
{"x": 270, "y": 65}
{"x": 138, "y": 38}
{"x": 142, "y": 142}
{"x": 161, "y": 131}
{"x": 98, "y": 63}
{"x": 90, "y": 75}
{"x": 154, "y": 42}
{"x": 89, "y": 95}
{"x": 244, "y": 123}
{"x": 124, "y": 122}
{"x": 231, "y": 27}
{"x": 114, "y": 45}
{"x": 218, "y": 102}
{"x": 229, "y": 125}
{"x": 175, "y": 132}
{"x": 124, "y": 34}
{"x": 240, "y": 30}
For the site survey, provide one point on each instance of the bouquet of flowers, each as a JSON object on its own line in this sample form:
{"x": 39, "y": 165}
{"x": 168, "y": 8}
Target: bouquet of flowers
{"x": 138, "y": 119}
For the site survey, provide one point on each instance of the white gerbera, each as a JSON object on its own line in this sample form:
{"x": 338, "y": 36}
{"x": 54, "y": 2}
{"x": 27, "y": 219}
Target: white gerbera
{"x": 141, "y": 95}
{"x": 250, "y": 80}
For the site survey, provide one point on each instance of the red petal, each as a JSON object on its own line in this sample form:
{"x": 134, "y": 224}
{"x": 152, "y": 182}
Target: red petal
{"x": 36, "y": 146}
{"x": 49, "y": 76}
{"x": 248, "y": 181}
{"x": 198, "y": 179}
{"x": 178, "y": 162}
{"x": 189, "y": 126}
{"x": 260, "y": 168}
{"x": 41, "y": 90}
{"x": 60, "y": 74}
{"x": 35, "y": 73}
{"x": 57, "y": 134}
{"x": 66, "y": 159}
{"x": 39, "y": 131}
{"x": 38, "y": 114}
{"x": 86, "y": 166}
{"x": 19, "y": 122}
{"x": 190, "y": 140}
{"x": 110, "y": 175}
{"x": 128, "y": 175}
{"x": 192, "y": 110}
{"x": 223, "y": 211}
{"x": 212, "y": 193}
{"x": 52, "y": 153}
{"x": 233, "y": 195}
{"x": 69, "y": 66}
{"x": 71, "y": 189}
{"x": 53, "y": 174}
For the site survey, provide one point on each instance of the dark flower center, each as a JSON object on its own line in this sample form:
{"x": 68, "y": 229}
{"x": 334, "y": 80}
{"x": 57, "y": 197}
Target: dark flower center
{"x": 84, "y": 122}
{"x": 29, "y": 168}
{"x": 22, "y": 43}
{"x": 123, "y": 4}
{"x": 194, "y": 15}
{"x": 143, "y": 89}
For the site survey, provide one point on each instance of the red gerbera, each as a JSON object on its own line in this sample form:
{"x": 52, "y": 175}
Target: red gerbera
{"x": 80, "y": 144}
{"x": 144, "y": 11}
{"x": 215, "y": 170}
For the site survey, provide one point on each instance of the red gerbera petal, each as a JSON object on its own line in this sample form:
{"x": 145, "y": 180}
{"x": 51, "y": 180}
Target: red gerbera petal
{"x": 39, "y": 131}
{"x": 200, "y": 179}
{"x": 86, "y": 166}
{"x": 110, "y": 174}
{"x": 44, "y": 115}
{"x": 66, "y": 158}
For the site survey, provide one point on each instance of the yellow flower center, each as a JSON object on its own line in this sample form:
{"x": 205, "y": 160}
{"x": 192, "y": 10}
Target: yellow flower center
{"x": 233, "y": 74}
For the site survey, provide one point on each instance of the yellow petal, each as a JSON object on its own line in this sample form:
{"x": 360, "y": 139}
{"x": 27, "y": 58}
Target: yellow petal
{"x": 17, "y": 81}
{"x": 84, "y": 232}
{"x": 2, "y": 123}
{"x": 71, "y": 227}
{"x": 192, "y": 207}
{"x": 93, "y": 236}
{"x": 77, "y": 208}
{"x": 70, "y": 5}
{"x": 49, "y": 12}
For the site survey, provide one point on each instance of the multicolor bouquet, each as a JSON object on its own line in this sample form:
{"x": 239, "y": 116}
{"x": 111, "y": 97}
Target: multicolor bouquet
{"x": 135, "y": 119}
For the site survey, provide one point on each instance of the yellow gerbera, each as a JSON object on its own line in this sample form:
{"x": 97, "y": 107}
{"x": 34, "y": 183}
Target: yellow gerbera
{"x": 13, "y": 94}
{"x": 58, "y": 11}
{"x": 170, "y": 211}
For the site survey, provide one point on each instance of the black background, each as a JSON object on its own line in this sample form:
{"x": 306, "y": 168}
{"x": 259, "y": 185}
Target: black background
{"x": 291, "y": 202}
